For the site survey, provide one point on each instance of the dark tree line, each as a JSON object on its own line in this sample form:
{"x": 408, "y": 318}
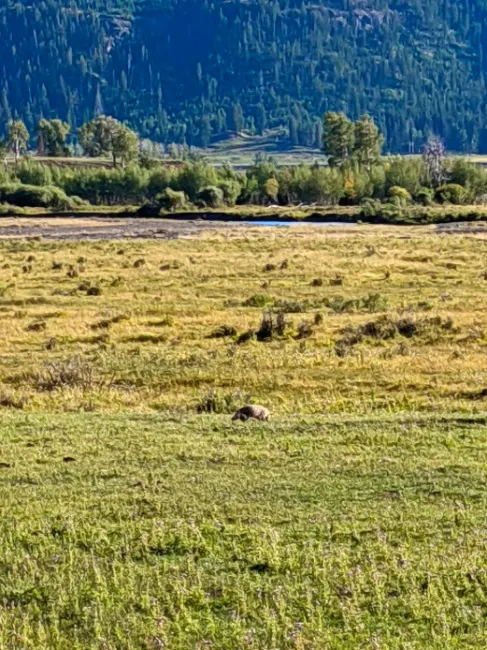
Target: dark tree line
{"x": 187, "y": 71}
{"x": 386, "y": 188}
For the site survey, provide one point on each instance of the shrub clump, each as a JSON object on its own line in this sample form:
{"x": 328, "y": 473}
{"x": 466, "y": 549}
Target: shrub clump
{"x": 12, "y": 400}
{"x": 245, "y": 337}
{"x": 273, "y": 326}
{"x": 337, "y": 281}
{"x": 37, "y": 326}
{"x": 400, "y": 196}
{"x": 108, "y": 322}
{"x": 223, "y": 331}
{"x": 94, "y": 291}
{"x": 375, "y": 211}
{"x": 72, "y": 272}
{"x": 305, "y": 330}
{"x": 32, "y": 196}
{"x": 425, "y": 196}
{"x": 71, "y": 373}
{"x": 293, "y": 306}
{"x": 171, "y": 200}
{"x": 231, "y": 191}
{"x": 386, "y": 328}
{"x": 138, "y": 263}
{"x": 210, "y": 196}
{"x": 373, "y": 302}
{"x": 214, "y": 402}
{"x": 170, "y": 265}
{"x": 257, "y": 300}
{"x": 451, "y": 193}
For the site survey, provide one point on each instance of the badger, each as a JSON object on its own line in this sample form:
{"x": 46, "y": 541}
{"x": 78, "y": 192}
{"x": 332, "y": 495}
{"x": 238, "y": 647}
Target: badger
{"x": 252, "y": 411}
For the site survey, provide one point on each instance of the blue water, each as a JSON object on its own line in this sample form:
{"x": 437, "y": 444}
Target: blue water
{"x": 294, "y": 223}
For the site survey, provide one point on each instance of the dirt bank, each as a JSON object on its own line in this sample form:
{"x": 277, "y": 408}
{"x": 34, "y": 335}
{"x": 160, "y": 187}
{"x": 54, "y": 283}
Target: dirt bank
{"x": 99, "y": 228}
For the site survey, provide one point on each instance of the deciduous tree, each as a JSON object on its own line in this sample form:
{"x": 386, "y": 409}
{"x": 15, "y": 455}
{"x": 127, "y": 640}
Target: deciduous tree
{"x": 18, "y": 137}
{"x": 434, "y": 155}
{"x": 105, "y": 135}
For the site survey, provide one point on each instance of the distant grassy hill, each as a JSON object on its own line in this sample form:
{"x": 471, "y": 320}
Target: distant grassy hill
{"x": 240, "y": 150}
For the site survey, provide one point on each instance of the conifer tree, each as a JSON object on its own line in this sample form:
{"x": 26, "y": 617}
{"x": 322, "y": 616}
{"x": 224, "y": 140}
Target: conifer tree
{"x": 51, "y": 137}
{"x": 368, "y": 141}
{"x": 338, "y": 138}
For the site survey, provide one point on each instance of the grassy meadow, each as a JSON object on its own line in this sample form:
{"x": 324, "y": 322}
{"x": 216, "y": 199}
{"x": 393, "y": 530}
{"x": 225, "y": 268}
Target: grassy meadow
{"x": 137, "y": 516}
{"x": 113, "y": 325}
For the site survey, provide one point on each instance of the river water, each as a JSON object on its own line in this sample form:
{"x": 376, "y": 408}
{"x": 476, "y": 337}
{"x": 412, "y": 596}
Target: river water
{"x": 287, "y": 224}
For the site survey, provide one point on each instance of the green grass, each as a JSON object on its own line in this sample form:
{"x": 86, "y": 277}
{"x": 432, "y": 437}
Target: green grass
{"x": 134, "y": 518}
{"x": 241, "y": 150}
{"x": 191, "y": 533}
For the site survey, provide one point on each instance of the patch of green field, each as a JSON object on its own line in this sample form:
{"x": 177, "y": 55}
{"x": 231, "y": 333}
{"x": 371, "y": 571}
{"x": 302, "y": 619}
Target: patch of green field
{"x": 241, "y": 150}
{"x": 135, "y": 532}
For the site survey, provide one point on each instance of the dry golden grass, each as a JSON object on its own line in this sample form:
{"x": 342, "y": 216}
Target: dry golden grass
{"x": 143, "y": 342}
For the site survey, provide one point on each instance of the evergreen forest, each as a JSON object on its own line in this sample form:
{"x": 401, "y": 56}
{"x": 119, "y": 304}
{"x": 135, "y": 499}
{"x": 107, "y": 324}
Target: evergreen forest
{"x": 193, "y": 71}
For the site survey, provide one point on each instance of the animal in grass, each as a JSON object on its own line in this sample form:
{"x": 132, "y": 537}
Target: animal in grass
{"x": 252, "y": 411}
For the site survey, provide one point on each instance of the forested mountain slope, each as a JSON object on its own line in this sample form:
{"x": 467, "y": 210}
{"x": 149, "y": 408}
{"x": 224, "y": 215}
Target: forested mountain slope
{"x": 190, "y": 70}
